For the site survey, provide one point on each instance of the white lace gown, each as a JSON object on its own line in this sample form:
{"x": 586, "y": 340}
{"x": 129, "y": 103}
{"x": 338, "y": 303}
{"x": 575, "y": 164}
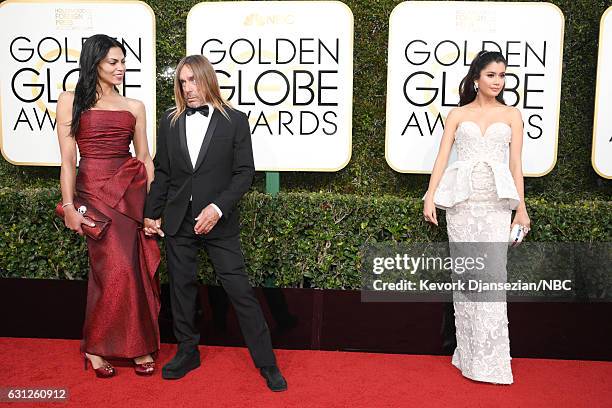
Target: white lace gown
{"x": 478, "y": 193}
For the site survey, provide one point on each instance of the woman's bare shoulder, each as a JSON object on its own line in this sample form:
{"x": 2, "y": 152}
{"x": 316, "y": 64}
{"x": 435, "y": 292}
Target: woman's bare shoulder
{"x": 135, "y": 106}
{"x": 66, "y": 97}
{"x": 456, "y": 114}
{"x": 512, "y": 113}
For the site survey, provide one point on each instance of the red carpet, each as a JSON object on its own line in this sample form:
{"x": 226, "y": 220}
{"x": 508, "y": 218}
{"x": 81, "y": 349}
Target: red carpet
{"x": 227, "y": 378}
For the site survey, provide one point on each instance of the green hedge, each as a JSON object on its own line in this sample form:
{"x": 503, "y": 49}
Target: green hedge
{"x": 368, "y": 173}
{"x": 294, "y": 239}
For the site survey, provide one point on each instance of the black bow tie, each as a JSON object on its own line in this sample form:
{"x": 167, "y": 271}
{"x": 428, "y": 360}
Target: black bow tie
{"x": 201, "y": 109}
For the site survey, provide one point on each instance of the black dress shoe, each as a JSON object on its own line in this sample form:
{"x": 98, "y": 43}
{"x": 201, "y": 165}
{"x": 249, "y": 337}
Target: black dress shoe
{"x": 183, "y": 362}
{"x": 275, "y": 380}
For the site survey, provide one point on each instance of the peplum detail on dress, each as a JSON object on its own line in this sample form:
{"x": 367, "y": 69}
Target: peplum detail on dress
{"x": 491, "y": 149}
{"x": 456, "y": 184}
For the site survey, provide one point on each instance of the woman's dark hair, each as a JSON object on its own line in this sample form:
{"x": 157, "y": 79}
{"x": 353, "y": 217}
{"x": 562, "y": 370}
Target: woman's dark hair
{"x": 86, "y": 93}
{"x": 467, "y": 93}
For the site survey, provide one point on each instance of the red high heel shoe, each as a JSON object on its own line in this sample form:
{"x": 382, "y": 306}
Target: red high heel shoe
{"x": 145, "y": 369}
{"x": 106, "y": 371}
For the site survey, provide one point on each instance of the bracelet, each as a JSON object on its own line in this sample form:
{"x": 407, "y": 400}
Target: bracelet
{"x": 66, "y": 204}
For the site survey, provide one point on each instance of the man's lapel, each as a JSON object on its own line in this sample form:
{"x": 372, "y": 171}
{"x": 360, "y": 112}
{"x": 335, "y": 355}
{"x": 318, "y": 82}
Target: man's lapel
{"x": 206, "y": 142}
{"x": 183, "y": 141}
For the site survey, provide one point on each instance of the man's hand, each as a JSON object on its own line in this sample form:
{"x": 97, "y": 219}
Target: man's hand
{"x": 206, "y": 220}
{"x": 152, "y": 227}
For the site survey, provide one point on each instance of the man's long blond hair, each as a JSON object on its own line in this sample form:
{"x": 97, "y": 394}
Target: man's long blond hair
{"x": 206, "y": 79}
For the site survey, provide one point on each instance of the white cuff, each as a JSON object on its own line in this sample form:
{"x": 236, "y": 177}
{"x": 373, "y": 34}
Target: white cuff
{"x": 217, "y": 209}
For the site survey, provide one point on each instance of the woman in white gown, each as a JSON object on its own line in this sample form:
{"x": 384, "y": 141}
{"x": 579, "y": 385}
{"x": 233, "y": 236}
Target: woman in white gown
{"x": 479, "y": 192}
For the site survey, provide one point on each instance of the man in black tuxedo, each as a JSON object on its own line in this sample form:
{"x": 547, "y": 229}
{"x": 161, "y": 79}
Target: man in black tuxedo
{"x": 203, "y": 166}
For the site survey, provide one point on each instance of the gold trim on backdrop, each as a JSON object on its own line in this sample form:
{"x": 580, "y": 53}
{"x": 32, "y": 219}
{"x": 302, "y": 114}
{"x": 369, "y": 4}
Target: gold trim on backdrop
{"x": 154, "y": 79}
{"x": 488, "y": 4}
{"x": 597, "y": 93}
{"x": 351, "y": 59}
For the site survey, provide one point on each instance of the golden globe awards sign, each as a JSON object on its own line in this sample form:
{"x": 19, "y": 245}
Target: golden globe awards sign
{"x": 289, "y": 66}
{"x": 602, "y": 126}
{"x": 40, "y": 47}
{"x": 431, "y": 45}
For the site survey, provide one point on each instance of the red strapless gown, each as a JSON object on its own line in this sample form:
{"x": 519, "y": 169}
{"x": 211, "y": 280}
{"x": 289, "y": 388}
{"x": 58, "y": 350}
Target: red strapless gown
{"x": 123, "y": 288}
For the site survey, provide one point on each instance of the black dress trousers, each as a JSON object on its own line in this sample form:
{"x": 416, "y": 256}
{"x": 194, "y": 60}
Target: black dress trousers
{"x": 226, "y": 256}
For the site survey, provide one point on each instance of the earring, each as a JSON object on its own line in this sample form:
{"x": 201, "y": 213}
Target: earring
{"x": 476, "y": 86}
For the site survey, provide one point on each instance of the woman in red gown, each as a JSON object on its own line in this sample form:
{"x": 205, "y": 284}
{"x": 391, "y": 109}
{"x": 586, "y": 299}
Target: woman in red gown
{"x": 123, "y": 288}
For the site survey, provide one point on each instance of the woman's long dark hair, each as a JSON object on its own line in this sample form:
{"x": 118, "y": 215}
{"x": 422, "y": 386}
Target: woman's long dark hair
{"x": 467, "y": 93}
{"x": 86, "y": 92}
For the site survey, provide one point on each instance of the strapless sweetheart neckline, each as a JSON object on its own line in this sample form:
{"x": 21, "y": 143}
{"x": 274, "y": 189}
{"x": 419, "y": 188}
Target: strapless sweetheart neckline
{"x": 473, "y": 148}
{"x": 487, "y": 129}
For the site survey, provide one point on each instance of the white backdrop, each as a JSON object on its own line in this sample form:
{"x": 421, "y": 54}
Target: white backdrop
{"x": 289, "y": 66}
{"x": 431, "y": 45}
{"x": 602, "y": 126}
{"x": 40, "y": 47}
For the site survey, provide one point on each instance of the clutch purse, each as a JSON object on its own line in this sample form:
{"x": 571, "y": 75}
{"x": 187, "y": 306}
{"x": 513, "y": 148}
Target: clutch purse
{"x": 100, "y": 220}
{"x": 516, "y": 235}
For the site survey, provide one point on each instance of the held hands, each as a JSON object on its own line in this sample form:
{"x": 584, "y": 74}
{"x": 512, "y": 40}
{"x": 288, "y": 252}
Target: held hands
{"x": 73, "y": 220}
{"x": 206, "y": 221}
{"x": 152, "y": 227}
{"x": 429, "y": 211}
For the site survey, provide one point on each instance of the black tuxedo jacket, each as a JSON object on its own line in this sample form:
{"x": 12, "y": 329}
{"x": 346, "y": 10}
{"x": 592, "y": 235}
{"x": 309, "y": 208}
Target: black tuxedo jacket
{"x": 222, "y": 174}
